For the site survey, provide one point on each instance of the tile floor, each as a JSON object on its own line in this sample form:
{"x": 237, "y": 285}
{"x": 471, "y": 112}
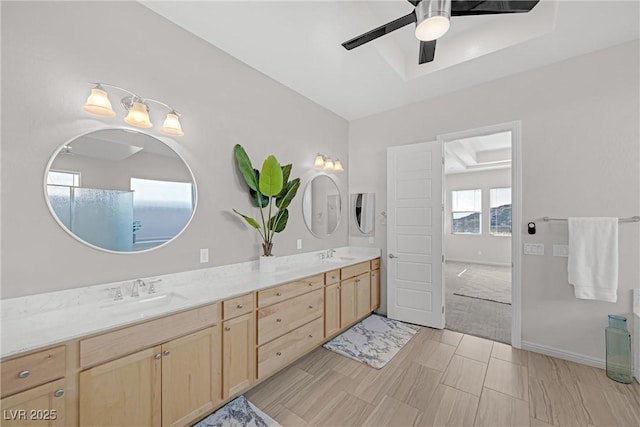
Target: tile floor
{"x": 443, "y": 378}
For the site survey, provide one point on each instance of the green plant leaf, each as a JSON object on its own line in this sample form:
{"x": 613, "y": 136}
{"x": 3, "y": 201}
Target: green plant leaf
{"x": 286, "y": 172}
{"x": 259, "y": 200}
{"x": 270, "y": 183}
{"x": 288, "y": 193}
{"x": 278, "y": 222}
{"x": 252, "y": 222}
{"x": 246, "y": 169}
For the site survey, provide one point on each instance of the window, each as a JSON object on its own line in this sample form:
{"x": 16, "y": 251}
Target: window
{"x": 67, "y": 178}
{"x": 500, "y": 211}
{"x": 466, "y": 211}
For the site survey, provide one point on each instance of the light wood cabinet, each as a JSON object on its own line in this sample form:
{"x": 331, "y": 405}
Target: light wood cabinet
{"x": 238, "y": 354}
{"x": 41, "y": 406}
{"x": 375, "y": 289}
{"x": 331, "y": 309}
{"x": 289, "y": 290}
{"x": 25, "y": 372}
{"x": 278, "y": 319}
{"x": 363, "y": 295}
{"x": 348, "y": 311}
{"x": 169, "y": 384}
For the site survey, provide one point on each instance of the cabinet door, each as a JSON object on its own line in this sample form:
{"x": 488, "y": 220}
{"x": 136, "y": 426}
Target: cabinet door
{"x": 41, "y": 406}
{"x": 375, "y": 289}
{"x": 363, "y": 293}
{"x": 238, "y": 355}
{"x": 348, "y": 313}
{"x": 124, "y": 392}
{"x": 331, "y": 309}
{"x": 190, "y": 376}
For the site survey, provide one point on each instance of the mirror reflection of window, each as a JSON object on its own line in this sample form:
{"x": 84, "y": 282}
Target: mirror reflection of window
{"x": 161, "y": 209}
{"x": 60, "y": 177}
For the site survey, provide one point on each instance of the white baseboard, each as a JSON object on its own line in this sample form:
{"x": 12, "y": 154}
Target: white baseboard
{"x": 564, "y": 355}
{"x": 470, "y": 261}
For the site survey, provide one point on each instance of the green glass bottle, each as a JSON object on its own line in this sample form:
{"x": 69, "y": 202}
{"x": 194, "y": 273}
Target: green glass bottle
{"x": 618, "y": 341}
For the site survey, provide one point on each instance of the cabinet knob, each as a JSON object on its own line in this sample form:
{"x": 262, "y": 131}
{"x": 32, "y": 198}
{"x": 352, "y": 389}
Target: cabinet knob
{"x": 227, "y": 328}
{"x": 278, "y": 320}
{"x": 278, "y": 354}
{"x": 166, "y": 352}
{"x": 310, "y": 336}
{"x": 310, "y": 307}
{"x": 333, "y": 277}
{"x": 279, "y": 294}
{"x": 157, "y": 356}
{"x": 24, "y": 374}
{"x": 58, "y": 393}
{"x": 239, "y": 305}
{"x": 310, "y": 284}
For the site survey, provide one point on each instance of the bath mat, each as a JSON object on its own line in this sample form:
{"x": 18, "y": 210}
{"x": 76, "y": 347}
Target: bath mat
{"x": 238, "y": 413}
{"x": 374, "y": 341}
{"x": 496, "y": 291}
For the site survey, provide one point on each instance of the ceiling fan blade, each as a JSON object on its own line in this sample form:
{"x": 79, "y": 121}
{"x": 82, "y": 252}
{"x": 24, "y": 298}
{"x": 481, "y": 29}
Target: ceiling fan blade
{"x": 427, "y": 51}
{"x": 414, "y": 2}
{"x": 491, "y": 7}
{"x": 380, "y": 31}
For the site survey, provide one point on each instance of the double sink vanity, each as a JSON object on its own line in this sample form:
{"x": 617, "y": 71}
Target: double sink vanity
{"x": 185, "y": 345}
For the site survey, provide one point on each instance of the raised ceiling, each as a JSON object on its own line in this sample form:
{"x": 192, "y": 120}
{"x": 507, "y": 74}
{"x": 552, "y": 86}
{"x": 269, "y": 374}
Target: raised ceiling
{"x": 298, "y": 44}
{"x": 479, "y": 153}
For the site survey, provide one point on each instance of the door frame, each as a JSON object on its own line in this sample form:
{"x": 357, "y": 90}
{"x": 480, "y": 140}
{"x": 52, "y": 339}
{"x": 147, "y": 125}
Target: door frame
{"x": 516, "y": 213}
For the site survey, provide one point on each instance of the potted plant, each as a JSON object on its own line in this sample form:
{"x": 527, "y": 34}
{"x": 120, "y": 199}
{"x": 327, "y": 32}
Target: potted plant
{"x": 271, "y": 191}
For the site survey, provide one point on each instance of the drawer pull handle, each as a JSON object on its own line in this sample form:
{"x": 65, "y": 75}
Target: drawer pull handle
{"x": 278, "y": 320}
{"x": 157, "y": 356}
{"x": 239, "y": 305}
{"x": 278, "y": 354}
{"x": 166, "y": 352}
{"x": 310, "y": 336}
{"x": 58, "y": 393}
{"x": 310, "y": 307}
{"x": 279, "y": 294}
{"x": 24, "y": 374}
{"x": 310, "y": 284}
{"x": 227, "y": 328}
{"x": 333, "y": 277}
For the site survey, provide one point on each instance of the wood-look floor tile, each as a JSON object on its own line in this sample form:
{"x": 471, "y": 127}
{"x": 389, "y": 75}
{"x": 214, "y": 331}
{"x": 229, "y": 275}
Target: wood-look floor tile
{"x": 279, "y": 388}
{"x": 537, "y": 423}
{"x": 318, "y": 361}
{"x": 392, "y": 413}
{"x": 434, "y": 355}
{"x": 350, "y": 368}
{"x": 375, "y": 384}
{"x": 449, "y": 407}
{"x": 548, "y": 368}
{"x": 416, "y": 385}
{"x": 508, "y": 378}
{"x": 465, "y": 374}
{"x": 556, "y": 402}
{"x": 407, "y": 351}
{"x": 285, "y": 417}
{"x": 607, "y": 407}
{"x": 446, "y": 336}
{"x": 497, "y": 409}
{"x": 342, "y": 409}
{"x": 475, "y": 348}
{"x": 310, "y": 400}
{"x": 506, "y": 352}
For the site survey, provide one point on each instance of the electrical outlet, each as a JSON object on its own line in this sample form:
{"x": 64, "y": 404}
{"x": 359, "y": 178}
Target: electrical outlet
{"x": 561, "y": 250}
{"x": 204, "y": 255}
{"x": 534, "y": 248}
{"x": 299, "y": 244}
{"x": 371, "y": 240}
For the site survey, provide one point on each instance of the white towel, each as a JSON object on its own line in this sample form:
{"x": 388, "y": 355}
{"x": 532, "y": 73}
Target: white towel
{"x": 593, "y": 258}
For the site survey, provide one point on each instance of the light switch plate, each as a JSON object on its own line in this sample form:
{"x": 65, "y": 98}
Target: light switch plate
{"x": 204, "y": 255}
{"x": 371, "y": 240}
{"x": 561, "y": 250}
{"x": 534, "y": 248}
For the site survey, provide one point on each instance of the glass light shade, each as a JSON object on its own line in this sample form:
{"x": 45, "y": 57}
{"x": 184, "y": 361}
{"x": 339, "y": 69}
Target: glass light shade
{"x": 138, "y": 116}
{"x": 319, "y": 161}
{"x": 171, "y": 125}
{"x": 337, "y": 166}
{"x": 98, "y": 103}
{"x": 328, "y": 164}
{"x": 432, "y": 28}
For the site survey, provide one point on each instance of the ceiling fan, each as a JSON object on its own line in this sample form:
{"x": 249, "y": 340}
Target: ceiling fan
{"x": 432, "y": 20}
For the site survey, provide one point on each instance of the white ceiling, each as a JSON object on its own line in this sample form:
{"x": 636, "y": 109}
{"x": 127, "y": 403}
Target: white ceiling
{"x": 478, "y": 153}
{"x": 298, "y": 44}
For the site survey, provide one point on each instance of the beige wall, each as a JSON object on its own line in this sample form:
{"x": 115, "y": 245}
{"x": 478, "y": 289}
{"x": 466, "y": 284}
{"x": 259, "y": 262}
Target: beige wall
{"x": 50, "y": 50}
{"x": 483, "y": 248}
{"x": 580, "y": 151}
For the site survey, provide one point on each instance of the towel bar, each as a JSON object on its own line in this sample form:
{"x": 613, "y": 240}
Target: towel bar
{"x": 630, "y": 219}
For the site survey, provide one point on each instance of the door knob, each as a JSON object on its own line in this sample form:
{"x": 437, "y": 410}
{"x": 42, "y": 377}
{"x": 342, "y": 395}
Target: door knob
{"x": 392, "y": 256}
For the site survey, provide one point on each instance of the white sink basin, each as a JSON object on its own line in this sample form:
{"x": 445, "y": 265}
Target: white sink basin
{"x": 340, "y": 259}
{"x": 144, "y": 303}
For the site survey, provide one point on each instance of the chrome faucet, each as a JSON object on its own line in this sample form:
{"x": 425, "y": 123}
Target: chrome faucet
{"x": 118, "y": 294}
{"x": 152, "y": 286}
{"x": 330, "y": 253}
{"x": 136, "y": 286}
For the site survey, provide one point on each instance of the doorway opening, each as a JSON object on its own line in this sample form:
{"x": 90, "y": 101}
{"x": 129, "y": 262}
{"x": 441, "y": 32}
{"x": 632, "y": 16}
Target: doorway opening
{"x": 480, "y": 226}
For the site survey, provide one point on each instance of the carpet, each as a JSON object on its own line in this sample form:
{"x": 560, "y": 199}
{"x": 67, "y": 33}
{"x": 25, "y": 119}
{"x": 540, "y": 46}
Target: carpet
{"x": 238, "y": 413}
{"x": 373, "y": 341}
{"x": 496, "y": 291}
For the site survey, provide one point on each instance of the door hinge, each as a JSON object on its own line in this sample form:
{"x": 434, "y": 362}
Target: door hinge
{"x": 443, "y": 309}
{"x": 442, "y": 258}
{"x": 443, "y": 160}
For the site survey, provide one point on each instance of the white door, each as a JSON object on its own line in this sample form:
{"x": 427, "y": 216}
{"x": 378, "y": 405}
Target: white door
{"x": 415, "y": 286}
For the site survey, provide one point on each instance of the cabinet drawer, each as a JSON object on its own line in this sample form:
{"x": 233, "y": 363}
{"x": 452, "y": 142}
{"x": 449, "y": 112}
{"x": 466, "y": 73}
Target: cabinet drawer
{"x": 237, "y": 306}
{"x": 32, "y": 370}
{"x": 125, "y": 341}
{"x": 278, "y": 319}
{"x": 354, "y": 270}
{"x": 375, "y": 264}
{"x": 332, "y": 277}
{"x": 282, "y": 351}
{"x": 289, "y": 290}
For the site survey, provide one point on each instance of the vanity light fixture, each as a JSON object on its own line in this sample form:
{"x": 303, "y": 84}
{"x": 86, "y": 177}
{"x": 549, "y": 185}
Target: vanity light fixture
{"x": 137, "y": 107}
{"x": 327, "y": 163}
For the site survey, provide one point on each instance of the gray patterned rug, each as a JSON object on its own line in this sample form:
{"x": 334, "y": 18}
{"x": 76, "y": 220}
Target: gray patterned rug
{"x": 373, "y": 341}
{"x": 496, "y": 291}
{"x": 238, "y": 413}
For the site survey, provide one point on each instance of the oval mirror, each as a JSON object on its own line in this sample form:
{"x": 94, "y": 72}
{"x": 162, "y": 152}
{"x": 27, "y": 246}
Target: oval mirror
{"x": 322, "y": 206}
{"x": 363, "y": 213}
{"x": 120, "y": 190}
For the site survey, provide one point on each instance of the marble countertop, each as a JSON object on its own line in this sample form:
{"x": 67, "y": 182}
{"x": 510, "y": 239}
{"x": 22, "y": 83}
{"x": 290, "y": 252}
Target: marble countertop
{"x": 42, "y": 320}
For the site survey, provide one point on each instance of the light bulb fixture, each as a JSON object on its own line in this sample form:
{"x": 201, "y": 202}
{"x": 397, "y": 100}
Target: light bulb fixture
{"x": 327, "y": 163}
{"x": 137, "y": 109}
{"x": 432, "y": 19}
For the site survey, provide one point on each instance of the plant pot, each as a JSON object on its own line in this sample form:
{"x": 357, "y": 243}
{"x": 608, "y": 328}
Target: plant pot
{"x": 268, "y": 264}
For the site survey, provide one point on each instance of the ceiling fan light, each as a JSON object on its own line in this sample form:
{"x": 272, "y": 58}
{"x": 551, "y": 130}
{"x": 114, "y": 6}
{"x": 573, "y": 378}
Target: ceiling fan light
{"x": 432, "y": 19}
